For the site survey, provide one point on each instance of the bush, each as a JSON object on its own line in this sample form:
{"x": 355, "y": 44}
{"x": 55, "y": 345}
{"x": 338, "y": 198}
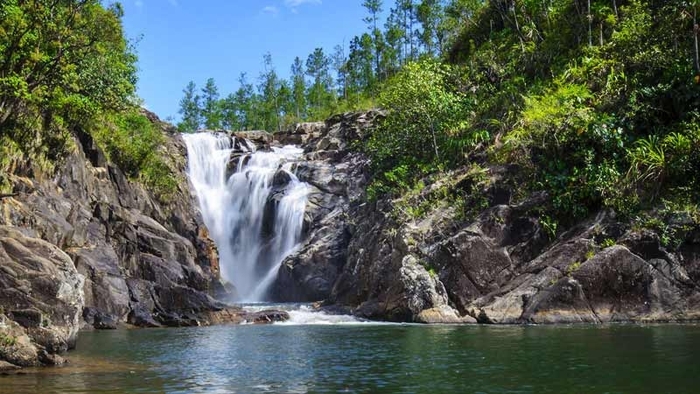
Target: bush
{"x": 423, "y": 128}
{"x": 132, "y": 142}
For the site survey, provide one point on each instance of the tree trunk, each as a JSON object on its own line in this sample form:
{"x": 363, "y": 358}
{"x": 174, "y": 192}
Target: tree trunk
{"x": 695, "y": 38}
{"x": 590, "y": 25}
{"x": 517, "y": 27}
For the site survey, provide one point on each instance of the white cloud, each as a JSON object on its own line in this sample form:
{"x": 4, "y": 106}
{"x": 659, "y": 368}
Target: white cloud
{"x": 297, "y": 3}
{"x": 270, "y": 9}
{"x": 293, "y": 4}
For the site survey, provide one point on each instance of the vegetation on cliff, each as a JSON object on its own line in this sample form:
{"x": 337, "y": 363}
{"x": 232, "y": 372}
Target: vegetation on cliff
{"x": 67, "y": 66}
{"x": 595, "y": 102}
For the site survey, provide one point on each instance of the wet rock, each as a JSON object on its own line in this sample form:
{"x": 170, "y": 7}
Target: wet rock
{"x": 16, "y": 347}
{"x": 266, "y": 317}
{"x": 443, "y": 315}
{"x": 564, "y": 302}
{"x": 309, "y": 274}
{"x": 142, "y": 317}
{"x": 27, "y": 318}
{"x": 281, "y": 179}
{"x": 104, "y": 321}
{"x": 5, "y": 366}
{"x": 254, "y": 138}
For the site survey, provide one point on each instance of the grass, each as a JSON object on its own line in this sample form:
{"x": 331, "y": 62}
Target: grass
{"x": 7, "y": 340}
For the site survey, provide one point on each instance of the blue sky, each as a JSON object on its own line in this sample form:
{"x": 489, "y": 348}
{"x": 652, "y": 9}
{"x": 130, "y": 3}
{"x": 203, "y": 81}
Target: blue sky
{"x": 183, "y": 40}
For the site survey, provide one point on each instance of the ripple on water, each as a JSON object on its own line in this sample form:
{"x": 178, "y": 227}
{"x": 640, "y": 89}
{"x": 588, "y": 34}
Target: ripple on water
{"x": 377, "y": 359}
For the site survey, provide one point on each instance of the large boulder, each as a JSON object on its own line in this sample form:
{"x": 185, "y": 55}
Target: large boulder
{"x": 40, "y": 291}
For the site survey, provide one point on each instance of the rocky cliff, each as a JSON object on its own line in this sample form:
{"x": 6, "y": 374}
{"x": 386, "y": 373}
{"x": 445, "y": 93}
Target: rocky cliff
{"x": 86, "y": 247}
{"x": 422, "y": 258}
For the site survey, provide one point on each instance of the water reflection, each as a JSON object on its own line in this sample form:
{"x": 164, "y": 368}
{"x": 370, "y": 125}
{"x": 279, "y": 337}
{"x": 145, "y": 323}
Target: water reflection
{"x": 377, "y": 359}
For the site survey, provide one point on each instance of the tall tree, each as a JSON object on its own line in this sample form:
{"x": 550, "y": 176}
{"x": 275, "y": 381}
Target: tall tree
{"x": 298, "y": 88}
{"x": 70, "y": 56}
{"x": 374, "y": 8}
{"x": 394, "y": 38}
{"x": 245, "y": 103}
{"x": 339, "y": 61}
{"x": 429, "y": 14}
{"x": 189, "y": 109}
{"x": 285, "y": 103}
{"x": 230, "y": 113}
{"x": 211, "y": 111}
{"x": 360, "y": 76}
{"x": 268, "y": 88}
{"x": 406, "y": 9}
{"x": 317, "y": 68}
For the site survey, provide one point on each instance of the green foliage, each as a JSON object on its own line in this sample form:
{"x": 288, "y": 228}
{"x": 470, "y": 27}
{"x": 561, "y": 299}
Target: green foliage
{"x": 62, "y": 63}
{"x": 607, "y": 243}
{"x": 424, "y": 123}
{"x": 593, "y": 103}
{"x": 573, "y": 267}
{"x": 590, "y": 254}
{"x": 190, "y": 109}
{"x": 7, "y": 340}
{"x": 132, "y": 142}
{"x": 67, "y": 59}
{"x": 550, "y": 226}
{"x": 45, "y": 321}
{"x": 673, "y": 221}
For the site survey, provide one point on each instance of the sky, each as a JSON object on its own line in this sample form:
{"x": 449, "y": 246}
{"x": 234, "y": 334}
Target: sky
{"x": 191, "y": 40}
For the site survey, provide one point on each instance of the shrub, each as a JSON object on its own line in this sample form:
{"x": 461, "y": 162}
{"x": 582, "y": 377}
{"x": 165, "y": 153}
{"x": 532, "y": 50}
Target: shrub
{"x": 422, "y": 130}
{"x": 133, "y": 143}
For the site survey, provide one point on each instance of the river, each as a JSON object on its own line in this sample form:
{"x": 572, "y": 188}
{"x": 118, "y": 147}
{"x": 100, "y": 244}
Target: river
{"x": 338, "y": 355}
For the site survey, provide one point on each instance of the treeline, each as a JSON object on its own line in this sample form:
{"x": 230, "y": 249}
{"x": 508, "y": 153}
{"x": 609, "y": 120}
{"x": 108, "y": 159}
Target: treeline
{"x": 328, "y": 82}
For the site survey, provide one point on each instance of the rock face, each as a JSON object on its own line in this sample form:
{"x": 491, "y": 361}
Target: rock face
{"x": 42, "y": 296}
{"x": 88, "y": 248}
{"x": 336, "y": 177}
{"x": 497, "y": 267}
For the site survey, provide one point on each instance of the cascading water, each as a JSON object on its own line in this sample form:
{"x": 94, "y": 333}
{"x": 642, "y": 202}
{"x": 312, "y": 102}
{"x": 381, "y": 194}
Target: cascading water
{"x": 255, "y": 215}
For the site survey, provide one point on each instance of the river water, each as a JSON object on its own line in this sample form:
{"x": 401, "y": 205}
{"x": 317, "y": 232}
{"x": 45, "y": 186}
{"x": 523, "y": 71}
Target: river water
{"x": 337, "y": 355}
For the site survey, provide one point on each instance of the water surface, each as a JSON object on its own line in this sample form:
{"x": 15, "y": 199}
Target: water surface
{"x": 371, "y": 358}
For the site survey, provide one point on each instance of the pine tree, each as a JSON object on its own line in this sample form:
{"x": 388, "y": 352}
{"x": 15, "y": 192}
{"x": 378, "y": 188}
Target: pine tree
{"x": 340, "y": 61}
{"x": 230, "y": 113}
{"x": 245, "y": 103}
{"x": 210, "y": 110}
{"x": 189, "y": 109}
{"x": 269, "y": 85}
{"x": 298, "y": 88}
{"x": 429, "y": 14}
{"x": 317, "y": 68}
{"x": 374, "y": 8}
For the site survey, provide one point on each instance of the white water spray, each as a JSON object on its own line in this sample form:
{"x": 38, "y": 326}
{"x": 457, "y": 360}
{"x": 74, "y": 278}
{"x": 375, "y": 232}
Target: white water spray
{"x": 251, "y": 245}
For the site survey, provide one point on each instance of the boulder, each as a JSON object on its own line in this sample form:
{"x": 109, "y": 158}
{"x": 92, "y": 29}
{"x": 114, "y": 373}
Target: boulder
{"x": 41, "y": 292}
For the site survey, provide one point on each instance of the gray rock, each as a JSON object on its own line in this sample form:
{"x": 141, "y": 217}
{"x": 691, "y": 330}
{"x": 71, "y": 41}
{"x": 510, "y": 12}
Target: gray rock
{"x": 87, "y": 236}
{"x": 42, "y": 292}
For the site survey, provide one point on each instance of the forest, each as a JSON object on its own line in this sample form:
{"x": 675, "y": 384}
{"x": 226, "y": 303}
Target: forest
{"x": 596, "y": 102}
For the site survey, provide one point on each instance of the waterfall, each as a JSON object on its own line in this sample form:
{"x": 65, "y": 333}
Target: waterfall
{"x": 255, "y": 215}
